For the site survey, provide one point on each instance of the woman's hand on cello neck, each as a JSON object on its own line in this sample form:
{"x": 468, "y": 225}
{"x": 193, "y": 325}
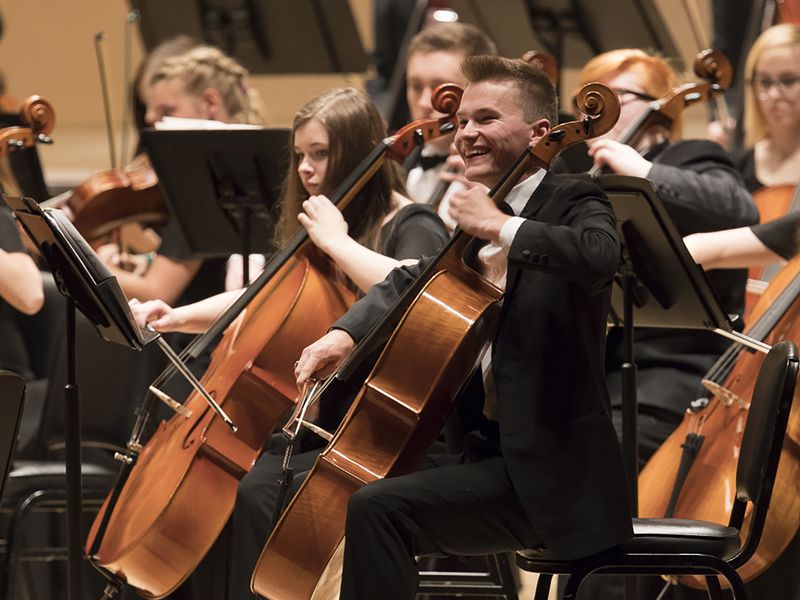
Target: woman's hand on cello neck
{"x": 324, "y": 223}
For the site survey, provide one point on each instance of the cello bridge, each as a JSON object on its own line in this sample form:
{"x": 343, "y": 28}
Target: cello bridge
{"x": 727, "y": 397}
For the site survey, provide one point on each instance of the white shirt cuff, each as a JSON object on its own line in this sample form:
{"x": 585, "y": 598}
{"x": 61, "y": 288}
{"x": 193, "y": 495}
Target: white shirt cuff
{"x": 509, "y": 231}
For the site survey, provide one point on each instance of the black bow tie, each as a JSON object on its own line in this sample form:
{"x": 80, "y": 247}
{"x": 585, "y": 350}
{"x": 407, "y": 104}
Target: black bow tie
{"x": 505, "y": 207}
{"x": 430, "y": 162}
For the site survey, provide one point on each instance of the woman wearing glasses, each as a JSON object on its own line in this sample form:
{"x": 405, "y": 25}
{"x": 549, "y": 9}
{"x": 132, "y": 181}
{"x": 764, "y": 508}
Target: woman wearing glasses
{"x": 772, "y": 110}
{"x": 772, "y": 159}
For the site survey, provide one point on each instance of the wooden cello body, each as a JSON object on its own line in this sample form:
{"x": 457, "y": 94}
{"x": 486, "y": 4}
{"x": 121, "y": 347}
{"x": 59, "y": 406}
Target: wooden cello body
{"x": 181, "y": 492}
{"x": 772, "y": 202}
{"x": 714, "y": 434}
{"x": 404, "y": 403}
{"x": 182, "y": 488}
{"x": 388, "y": 429}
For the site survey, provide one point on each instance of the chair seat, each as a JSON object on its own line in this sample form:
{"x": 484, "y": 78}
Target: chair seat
{"x": 28, "y": 476}
{"x": 664, "y": 536}
{"x": 692, "y": 537}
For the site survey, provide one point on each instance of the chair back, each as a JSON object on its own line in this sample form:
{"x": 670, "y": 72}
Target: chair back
{"x": 762, "y": 441}
{"x": 12, "y": 394}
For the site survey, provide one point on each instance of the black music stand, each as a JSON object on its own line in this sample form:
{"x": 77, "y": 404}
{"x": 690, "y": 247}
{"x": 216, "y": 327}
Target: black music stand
{"x": 222, "y": 186}
{"x": 266, "y": 36}
{"x": 658, "y": 285}
{"x": 91, "y": 288}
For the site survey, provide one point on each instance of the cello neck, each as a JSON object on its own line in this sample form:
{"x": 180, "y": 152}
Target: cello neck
{"x": 342, "y": 197}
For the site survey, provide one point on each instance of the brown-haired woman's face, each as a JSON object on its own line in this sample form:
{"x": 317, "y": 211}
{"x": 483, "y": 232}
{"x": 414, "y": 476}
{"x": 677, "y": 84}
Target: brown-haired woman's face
{"x": 312, "y": 147}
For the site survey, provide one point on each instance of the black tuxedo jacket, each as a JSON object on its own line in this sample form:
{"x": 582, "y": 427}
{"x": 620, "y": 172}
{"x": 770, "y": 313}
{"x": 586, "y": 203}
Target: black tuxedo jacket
{"x": 555, "y": 433}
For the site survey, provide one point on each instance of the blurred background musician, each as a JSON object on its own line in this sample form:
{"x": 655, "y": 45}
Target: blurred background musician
{"x": 20, "y": 292}
{"x": 331, "y": 134}
{"x": 202, "y": 83}
{"x": 772, "y": 120}
{"x": 434, "y": 57}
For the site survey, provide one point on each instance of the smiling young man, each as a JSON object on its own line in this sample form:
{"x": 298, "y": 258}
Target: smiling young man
{"x": 542, "y": 466}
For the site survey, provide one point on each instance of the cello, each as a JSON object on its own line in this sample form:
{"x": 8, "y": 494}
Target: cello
{"x": 153, "y": 532}
{"x": 404, "y": 402}
{"x": 693, "y": 474}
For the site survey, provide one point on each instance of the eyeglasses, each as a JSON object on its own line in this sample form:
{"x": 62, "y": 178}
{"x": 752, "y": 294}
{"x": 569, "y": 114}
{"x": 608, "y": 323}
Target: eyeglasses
{"x": 631, "y": 95}
{"x": 785, "y": 85}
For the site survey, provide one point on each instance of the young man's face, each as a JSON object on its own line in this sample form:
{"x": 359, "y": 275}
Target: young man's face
{"x": 424, "y": 72}
{"x": 492, "y": 131}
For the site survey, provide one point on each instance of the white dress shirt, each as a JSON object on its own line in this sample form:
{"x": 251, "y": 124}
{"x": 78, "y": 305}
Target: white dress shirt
{"x": 493, "y": 265}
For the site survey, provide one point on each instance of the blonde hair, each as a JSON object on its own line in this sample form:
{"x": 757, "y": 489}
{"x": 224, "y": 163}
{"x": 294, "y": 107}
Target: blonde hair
{"x": 786, "y": 34}
{"x": 653, "y": 73}
{"x": 206, "y": 67}
{"x": 355, "y": 128}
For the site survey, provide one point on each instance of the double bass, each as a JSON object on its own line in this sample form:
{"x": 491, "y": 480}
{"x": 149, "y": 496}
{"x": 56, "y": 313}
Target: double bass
{"x": 406, "y": 399}
{"x": 693, "y": 474}
{"x": 152, "y": 533}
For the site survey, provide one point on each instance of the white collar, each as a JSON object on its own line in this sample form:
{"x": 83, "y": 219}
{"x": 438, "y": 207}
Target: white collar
{"x": 519, "y": 195}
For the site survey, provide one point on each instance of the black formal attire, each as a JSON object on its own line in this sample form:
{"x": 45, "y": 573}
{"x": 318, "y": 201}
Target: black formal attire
{"x": 701, "y": 191}
{"x": 13, "y": 351}
{"x": 413, "y": 232}
{"x": 548, "y": 471}
{"x": 780, "y": 235}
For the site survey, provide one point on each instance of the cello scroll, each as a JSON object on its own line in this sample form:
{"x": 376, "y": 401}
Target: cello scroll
{"x": 446, "y": 99}
{"x": 40, "y": 117}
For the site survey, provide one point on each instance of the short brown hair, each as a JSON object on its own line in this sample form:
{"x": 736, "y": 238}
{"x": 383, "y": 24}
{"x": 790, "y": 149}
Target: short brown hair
{"x": 535, "y": 92}
{"x": 452, "y": 37}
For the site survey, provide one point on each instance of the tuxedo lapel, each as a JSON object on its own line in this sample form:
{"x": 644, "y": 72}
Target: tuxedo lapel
{"x": 541, "y": 195}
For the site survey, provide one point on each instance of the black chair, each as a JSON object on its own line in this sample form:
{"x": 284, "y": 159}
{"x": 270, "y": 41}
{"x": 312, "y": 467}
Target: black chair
{"x": 492, "y": 579}
{"x": 687, "y": 547}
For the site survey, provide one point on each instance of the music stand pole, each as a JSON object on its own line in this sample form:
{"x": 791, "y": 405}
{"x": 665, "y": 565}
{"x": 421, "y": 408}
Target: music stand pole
{"x": 72, "y": 439}
{"x": 630, "y": 442}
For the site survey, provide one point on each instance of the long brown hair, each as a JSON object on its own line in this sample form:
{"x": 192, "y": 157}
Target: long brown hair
{"x": 354, "y": 128}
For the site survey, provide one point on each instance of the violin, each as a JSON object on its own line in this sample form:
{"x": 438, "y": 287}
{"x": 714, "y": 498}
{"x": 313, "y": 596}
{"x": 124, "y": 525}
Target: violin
{"x": 153, "y": 531}
{"x": 404, "y": 403}
{"x": 111, "y": 199}
{"x": 712, "y": 67}
{"x": 693, "y": 474}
